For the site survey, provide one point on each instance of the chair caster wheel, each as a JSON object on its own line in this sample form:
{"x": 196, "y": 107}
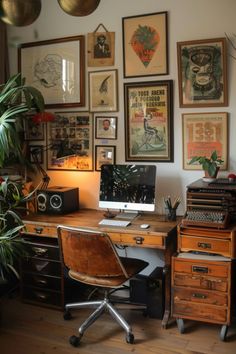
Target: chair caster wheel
{"x": 67, "y": 316}
{"x": 74, "y": 341}
{"x": 130, "y": 338}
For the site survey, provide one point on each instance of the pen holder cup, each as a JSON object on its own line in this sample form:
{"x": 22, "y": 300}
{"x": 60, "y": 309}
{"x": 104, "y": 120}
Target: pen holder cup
{"x": 170, "y": 214}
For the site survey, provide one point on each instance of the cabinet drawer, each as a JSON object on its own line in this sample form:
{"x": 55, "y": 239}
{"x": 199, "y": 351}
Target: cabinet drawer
{"x": 200, "y": 296}
{"x": 43, "y": 251}
{"x": 41, "y": 281}
{"x": 40, "y": 266}
{"x": 49, "y": 298}
{"x": 209, "y": 245}
{"x": 142, "y": 240}
{"x": 202, "y": 282}
{"x": 194, "y": 266}
{"x": 42, "y": 230}
{"x": 201, "y": 312}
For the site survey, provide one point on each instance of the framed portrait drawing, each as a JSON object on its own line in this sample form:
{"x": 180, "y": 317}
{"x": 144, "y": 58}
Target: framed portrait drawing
{"x": 70, "y": 135}
{"x": 101, "y": 48}
{"x": 202, "y": 134}
{"x": 145, "y": 45}
{"x": 149, "y": 121}
{"x": 104, "y": 154}
{"x": 36, "y": 154}
{"x": 103, "y": 88}
{"x": 202, "y": 73}
{"x": 105, "y": 127}
{"x": 33, "y": 131}
{"x": 56, "y": 68}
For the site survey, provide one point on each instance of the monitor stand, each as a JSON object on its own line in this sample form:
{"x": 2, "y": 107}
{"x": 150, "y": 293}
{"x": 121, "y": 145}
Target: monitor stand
{"x": 130, "y": 215}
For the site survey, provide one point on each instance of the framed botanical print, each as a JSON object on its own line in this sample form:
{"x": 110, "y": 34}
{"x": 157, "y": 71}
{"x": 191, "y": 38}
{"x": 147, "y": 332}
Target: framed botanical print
{"x": 105, "y": 127}
{"x": 204, "y": 133}
{"x": 103, "y": 88}
{"x": 70, "y": 135}
{"x": 202, "y": 73}
{"x": 145, "y": 45}
{"x": 149, "y": 121}
{"x": 56, "y": 68}
{"x": 104, "y": 154}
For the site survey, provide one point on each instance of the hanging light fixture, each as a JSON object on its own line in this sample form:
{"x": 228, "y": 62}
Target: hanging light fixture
{"x": 78, "y": 7}
{"x": 19, "y": 12}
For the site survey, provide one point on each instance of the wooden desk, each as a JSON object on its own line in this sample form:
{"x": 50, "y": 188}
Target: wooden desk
{"x": 160, "y": 235}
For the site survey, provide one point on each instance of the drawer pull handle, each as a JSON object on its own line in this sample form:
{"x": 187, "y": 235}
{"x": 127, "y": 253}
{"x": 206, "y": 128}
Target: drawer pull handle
{"x": 139, "y": 240}
{"x": 200, "y": 269}
{"x": 41, "y": 296}
{"x": 38, "y": 230}
{"x": 199, "y": 296}
{"x": 40, "y": 281}
{"x": 39, "y": 251}
{"x": 204, "y": 245}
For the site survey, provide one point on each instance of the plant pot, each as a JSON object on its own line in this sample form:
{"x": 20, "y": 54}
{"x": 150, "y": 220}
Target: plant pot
{"x": 214, "y": 176}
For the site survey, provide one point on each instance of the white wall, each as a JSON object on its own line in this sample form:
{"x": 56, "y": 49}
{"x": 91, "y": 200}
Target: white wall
{"x": 188, "y": 20}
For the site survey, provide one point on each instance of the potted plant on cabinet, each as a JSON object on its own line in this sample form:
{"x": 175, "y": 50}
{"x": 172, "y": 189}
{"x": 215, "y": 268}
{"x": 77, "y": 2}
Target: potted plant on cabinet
{"x": 210, "y": 165}
{"x": 16, "y": 99}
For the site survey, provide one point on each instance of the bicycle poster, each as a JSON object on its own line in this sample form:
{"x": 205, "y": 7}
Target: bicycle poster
{"x": 149, "y": 121}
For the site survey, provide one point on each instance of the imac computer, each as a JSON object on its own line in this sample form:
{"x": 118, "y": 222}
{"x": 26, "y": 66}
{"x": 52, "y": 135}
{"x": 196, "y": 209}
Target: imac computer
{"x": 128, "y": 188}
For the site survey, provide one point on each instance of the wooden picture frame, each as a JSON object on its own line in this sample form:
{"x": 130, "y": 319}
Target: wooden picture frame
{"x": 145, "y": 44}
{"x": 202, "y": 73}
{"x": 104, "y": 154}
{"x": 105, "y": 127}
{"x": 37, "y": 149}
{"x": 202, "y": 134}
{"x": 33, "y": 131}
{"x": 103, "y": 88}
{"x": 101, "y": 49}
{"x": 76, "y": 130}
{"x": 149, "y": 121}
{"x": 57, "y": 68}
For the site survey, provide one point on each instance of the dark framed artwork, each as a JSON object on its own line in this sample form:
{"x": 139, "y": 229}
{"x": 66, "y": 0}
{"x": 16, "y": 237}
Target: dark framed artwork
{"x": 33, "y": 131}
{"x": 57, "y": 68}
{"x": 101, "y": 48}
{"x": 104, "y": 154}
{"x": 74, "y": 131}
{"x": 149, "y": 121}
{"x": 145, "y": 45}
{"x": 105, "y": 127}
{"x": 37, "y": 151}
{"x": 202, "y": 73}
{"x": 202, "y": 134}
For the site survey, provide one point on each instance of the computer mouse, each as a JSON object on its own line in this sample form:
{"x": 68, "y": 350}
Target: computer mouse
{"x": 144, "y": 226}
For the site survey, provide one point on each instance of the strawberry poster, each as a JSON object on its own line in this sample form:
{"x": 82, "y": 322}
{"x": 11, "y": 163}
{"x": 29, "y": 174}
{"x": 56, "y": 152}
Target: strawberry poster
{"x": 145, "y": 45}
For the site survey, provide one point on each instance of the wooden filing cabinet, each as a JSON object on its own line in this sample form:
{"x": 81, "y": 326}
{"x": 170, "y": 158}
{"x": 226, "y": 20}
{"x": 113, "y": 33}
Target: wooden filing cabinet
{"x": 202, "y": 276}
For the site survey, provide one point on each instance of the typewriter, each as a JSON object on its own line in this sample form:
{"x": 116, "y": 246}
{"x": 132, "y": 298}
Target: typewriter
{"x": 206, "y": 218}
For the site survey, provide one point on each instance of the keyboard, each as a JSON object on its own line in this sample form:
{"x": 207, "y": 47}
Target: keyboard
{"x": 112, "y": 222}
{"x": 206, "y": 218}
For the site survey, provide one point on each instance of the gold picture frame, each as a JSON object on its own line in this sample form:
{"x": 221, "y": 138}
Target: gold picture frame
{"x": 101, "y": 49}
{"x": 202, "y": 134}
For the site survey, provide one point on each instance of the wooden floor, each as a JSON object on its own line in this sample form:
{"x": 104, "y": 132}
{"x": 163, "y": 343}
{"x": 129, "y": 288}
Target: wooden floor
{"x": 28, "y": 329}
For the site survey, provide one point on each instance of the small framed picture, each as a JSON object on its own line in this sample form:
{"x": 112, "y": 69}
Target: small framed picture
{"x": 36, "y": 154}
{"x": 101, "y": 48}
{"x": 105, "y": 127}
{"x": 33, "y": 131}
{"x": 104, "y": 155}
{"x": 103, "y": 91}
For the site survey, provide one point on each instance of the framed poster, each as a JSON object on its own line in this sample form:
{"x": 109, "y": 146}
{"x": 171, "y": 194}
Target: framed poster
{"x": 101, "y": 48}
{"x": 33, "y": 131}
{"x": 103, "y": 88}
{"x": 202, "y": 134}
{"x": 202, "y": 73}
{"x": 56, "y": 67}
{"x": 145, "y": 45}
{"x": 72, "y": 134}
{"x": 104, "y": 154}
{"x": 37, "y": 151}
{"x": 149, "y": 121}
{"x": 105, "y": 127}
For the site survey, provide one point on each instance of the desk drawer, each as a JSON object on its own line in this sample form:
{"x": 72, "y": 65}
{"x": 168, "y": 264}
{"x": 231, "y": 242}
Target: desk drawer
{"x": 42, "y": 230}
{"x": 202, "y": 282}
{"x": 39, "y": 266}
{"x": 41, "y": 296}
{"x": 142, "y": 240}
{"x": 41, "y": 281}
{"x": 200, "y": 296}
{"x": 203, "y": 244}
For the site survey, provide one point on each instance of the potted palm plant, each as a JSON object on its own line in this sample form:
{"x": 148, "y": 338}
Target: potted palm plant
{"x": 210, "y": 165}
{"x": 16, "y": 99}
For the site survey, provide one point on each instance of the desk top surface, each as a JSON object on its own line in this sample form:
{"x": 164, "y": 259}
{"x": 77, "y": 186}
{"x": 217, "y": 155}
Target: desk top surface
{"x": 90, "y": 218}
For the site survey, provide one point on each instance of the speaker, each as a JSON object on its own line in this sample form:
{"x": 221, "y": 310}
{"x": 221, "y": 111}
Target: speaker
{"x": 57, "y": 200}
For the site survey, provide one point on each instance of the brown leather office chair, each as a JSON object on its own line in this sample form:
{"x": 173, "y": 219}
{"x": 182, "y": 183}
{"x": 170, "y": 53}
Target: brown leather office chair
{"x": 91, "y": 258}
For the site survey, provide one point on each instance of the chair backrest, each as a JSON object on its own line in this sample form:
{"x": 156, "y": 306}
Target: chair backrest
{"x": 89, "y": 252}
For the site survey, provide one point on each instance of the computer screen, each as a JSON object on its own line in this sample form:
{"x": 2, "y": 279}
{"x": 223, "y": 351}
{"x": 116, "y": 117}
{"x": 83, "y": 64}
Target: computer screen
{"x": 128, "y": 187}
